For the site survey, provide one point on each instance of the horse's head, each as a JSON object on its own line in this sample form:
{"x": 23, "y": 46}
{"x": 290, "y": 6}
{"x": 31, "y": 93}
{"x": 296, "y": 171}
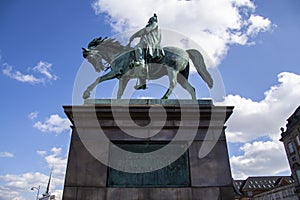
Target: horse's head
{"x": 100, "y": 49}
{"x": 94, "y": 57}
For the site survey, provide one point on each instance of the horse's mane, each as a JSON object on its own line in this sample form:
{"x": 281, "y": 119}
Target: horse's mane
{"x": 107, "y": 43}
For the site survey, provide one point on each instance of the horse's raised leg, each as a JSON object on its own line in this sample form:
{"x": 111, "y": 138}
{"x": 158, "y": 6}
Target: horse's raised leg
{"x": 108, "y": 76}
{"x": 122, "y": 85}
{"x": 173, "y": 81}
{"x": 186, "y": 85}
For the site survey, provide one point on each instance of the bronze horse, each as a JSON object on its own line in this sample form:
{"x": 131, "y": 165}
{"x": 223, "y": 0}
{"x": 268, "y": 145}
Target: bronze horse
{"x": 120, "y": 61}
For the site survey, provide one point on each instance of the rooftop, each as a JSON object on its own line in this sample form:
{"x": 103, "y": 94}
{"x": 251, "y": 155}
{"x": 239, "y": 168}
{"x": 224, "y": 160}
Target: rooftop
{"x": 261, "y": 183}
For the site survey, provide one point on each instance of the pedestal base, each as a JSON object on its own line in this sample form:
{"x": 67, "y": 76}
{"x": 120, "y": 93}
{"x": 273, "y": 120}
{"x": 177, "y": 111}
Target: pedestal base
{"x": 194, "y": 175}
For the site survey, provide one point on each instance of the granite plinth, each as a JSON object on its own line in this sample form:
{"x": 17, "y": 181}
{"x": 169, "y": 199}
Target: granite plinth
{"x": 209, "y": 176}
{"x": 147, "y": 101}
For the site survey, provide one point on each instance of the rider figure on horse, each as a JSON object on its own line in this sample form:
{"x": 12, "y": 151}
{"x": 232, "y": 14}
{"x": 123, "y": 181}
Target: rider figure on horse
{"x": 148, "y": 47}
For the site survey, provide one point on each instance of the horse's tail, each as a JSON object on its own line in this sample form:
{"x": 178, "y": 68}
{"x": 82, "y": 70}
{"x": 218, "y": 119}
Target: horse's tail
{"x": 200, "y": 66}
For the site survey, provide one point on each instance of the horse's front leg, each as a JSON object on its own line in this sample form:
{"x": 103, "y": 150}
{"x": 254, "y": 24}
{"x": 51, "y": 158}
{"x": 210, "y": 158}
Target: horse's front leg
{"x": 122, "y": 85}
{"x": 173, "y": 81}
{"x": 105, "y": 77}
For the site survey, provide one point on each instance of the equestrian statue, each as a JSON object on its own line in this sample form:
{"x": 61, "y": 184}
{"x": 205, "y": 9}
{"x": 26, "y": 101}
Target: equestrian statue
{"x": 146, "y": 61}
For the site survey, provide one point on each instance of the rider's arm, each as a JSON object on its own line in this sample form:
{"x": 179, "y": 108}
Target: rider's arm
{"x": 143, "y": 31}
{"x": 139, "y": 33}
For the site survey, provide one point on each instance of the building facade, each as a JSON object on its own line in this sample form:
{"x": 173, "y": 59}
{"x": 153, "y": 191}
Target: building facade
{"x": 284, "y": 192}
{"x": 291, "y": 140}
{"x": 265, "y": 188}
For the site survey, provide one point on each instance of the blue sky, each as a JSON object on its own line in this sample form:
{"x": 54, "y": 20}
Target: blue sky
{"x": 254, "y": 45}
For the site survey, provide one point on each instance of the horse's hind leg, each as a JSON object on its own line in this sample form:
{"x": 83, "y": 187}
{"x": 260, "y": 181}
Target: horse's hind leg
{"x": 173, "y": 81}
{"x": 186, "y": 85}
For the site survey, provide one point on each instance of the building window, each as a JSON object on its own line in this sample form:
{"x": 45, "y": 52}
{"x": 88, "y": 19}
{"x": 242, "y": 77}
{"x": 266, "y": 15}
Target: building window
{"x": 298, "y": 140}
{"x": 298, "y": 175}
{"x": 250, "y": 193}
{"x": 284, "y": 194}
{"x": 291, "y": 147}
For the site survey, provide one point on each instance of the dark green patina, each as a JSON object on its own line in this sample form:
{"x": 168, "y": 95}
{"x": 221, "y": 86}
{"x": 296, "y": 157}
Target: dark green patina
{"x": 175, "y": 174}
{"x": 120, "y": 60}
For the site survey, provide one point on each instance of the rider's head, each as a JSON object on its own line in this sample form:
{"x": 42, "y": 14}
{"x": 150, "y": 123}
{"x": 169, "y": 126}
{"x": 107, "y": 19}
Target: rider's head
{"x": 152, "y": 19}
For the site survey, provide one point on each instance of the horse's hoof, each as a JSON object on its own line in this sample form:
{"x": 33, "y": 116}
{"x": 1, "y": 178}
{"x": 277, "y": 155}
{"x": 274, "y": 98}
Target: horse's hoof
{"x": 86, "y": 95}
{"x": 140, "y": 87}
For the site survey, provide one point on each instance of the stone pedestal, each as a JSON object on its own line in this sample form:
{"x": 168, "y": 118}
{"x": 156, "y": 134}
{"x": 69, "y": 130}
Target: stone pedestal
{"x": 201, "y": 172}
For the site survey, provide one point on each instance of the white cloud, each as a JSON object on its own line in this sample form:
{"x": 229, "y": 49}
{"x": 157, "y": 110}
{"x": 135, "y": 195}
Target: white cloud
{"x": 33, "y": 115}
{"x": 6, "y": 155}
{"x": 258, "y": 24}
{"x": 41, "y": 153}
{"x": 56, "y": 151}
{"x": 58, "y": 162}
{"x": 45, "y": 68}
{"x": 213, "y": 24}
{"x": 244, "y": 3}
{"x": 42, "y": 73}
{"x": 17, "y": 75}
{"x": 7, "y": 193}
{"x": 259, "y": 159}
{"x": 17, "y": 186}
{"x": 54, "y": 124}
{"x": 254, "y": 119}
